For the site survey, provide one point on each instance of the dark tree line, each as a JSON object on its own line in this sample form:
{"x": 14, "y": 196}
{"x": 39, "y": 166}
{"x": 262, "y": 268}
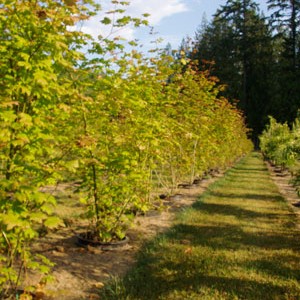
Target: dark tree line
{"x": 256, "y": 57}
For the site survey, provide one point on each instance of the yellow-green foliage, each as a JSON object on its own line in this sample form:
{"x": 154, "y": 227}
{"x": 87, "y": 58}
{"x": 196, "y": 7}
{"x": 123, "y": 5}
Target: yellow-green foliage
{"x": 280, "y": 144}
{"x": 111, "y": 122}
{"x": 238, "y": 241}
{"x": 147, "y": 120}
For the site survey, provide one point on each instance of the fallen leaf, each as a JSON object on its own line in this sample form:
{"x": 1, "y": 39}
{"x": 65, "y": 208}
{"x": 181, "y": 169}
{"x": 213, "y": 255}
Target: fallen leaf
{"x": 188, "y": 250}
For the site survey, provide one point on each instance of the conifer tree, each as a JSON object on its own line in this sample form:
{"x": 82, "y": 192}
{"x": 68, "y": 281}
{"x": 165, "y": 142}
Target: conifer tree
{"x": 285, "y": 20}
{"x": 238, "y": 42}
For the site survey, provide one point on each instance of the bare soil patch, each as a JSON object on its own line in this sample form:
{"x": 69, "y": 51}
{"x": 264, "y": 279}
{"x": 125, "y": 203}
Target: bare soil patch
{"x": 81, "y": 271}
{"x": 283, "y": 181}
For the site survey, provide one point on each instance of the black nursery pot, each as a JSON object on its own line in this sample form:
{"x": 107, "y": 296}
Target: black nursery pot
{"x": 86, "y": 239}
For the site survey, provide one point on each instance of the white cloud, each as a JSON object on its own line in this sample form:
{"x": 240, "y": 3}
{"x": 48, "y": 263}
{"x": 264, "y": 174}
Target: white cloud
{"x": 95, "y": 28}
{"x": 158, "y": 10}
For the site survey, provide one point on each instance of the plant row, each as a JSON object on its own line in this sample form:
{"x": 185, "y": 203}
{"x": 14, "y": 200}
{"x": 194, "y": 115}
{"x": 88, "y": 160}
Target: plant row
{"x": 121, "y": 124}
{"x": 281, "y": 145}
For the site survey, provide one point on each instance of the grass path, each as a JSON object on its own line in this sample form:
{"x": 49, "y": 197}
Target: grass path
{"x": 239, "y": 241}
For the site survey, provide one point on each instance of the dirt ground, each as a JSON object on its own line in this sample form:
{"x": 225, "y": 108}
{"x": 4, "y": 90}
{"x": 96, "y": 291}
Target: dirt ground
{"x": 80, "y": 272}
{"x": 283, "y": 181}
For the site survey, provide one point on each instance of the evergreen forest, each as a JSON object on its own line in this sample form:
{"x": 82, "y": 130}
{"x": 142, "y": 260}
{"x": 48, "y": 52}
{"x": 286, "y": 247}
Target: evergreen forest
{"x": 255, "y": 55}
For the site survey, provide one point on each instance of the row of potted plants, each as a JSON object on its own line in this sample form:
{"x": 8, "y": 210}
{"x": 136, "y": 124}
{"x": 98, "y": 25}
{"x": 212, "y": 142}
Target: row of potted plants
{"x": 120, "y": 123}
{"x": 280, "y": 144}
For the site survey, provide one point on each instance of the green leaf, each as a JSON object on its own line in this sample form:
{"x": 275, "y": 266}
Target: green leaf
{"x": 72, "y": 165}
{"x": 24, "y": 64}
{"x": 12, "y": 220}
{"x": 106, "y": 21}
{"x": 183, "y": 61}
{"x": 8, "y": 116}
{"x": 29, "y": 233}
{"x": 47, "y": 208}
{"x": 53, "y": 222}
{"x": 37, "y": 217}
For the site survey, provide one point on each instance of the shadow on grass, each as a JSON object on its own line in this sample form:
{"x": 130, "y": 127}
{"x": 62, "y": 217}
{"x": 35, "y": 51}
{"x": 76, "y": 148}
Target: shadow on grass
{"x": 159, "y": 275}
{"x": 246, "y": 196}
{"x": 197, "y": 285}
{"x": 164, "y": 268}
{"x": 207, "y": 258}
{"x": 231, "y": 238}
{"x": 226, "y": 209}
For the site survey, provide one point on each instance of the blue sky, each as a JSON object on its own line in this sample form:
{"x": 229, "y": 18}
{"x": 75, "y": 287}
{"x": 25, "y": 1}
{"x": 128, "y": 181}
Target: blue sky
{"x": 172, "y": 20}
{"x": 178, "y": 25}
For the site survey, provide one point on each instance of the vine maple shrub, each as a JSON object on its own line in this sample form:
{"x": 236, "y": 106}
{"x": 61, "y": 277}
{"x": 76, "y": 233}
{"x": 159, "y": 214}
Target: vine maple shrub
{"x": 280, "y": 144}
{"x": 36, "y": 54}
{"x": 116, "y": 123}
{"x": 149, "y": 118}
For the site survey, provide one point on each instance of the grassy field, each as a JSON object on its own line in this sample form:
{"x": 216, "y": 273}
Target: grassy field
{"x": 238, "y": 241}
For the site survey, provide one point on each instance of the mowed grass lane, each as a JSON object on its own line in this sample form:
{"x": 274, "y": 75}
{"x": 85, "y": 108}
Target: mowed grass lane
{"x": 238, "y": 241}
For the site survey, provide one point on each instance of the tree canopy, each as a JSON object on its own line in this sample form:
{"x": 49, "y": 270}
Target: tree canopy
{"x": 255, "y": 57}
